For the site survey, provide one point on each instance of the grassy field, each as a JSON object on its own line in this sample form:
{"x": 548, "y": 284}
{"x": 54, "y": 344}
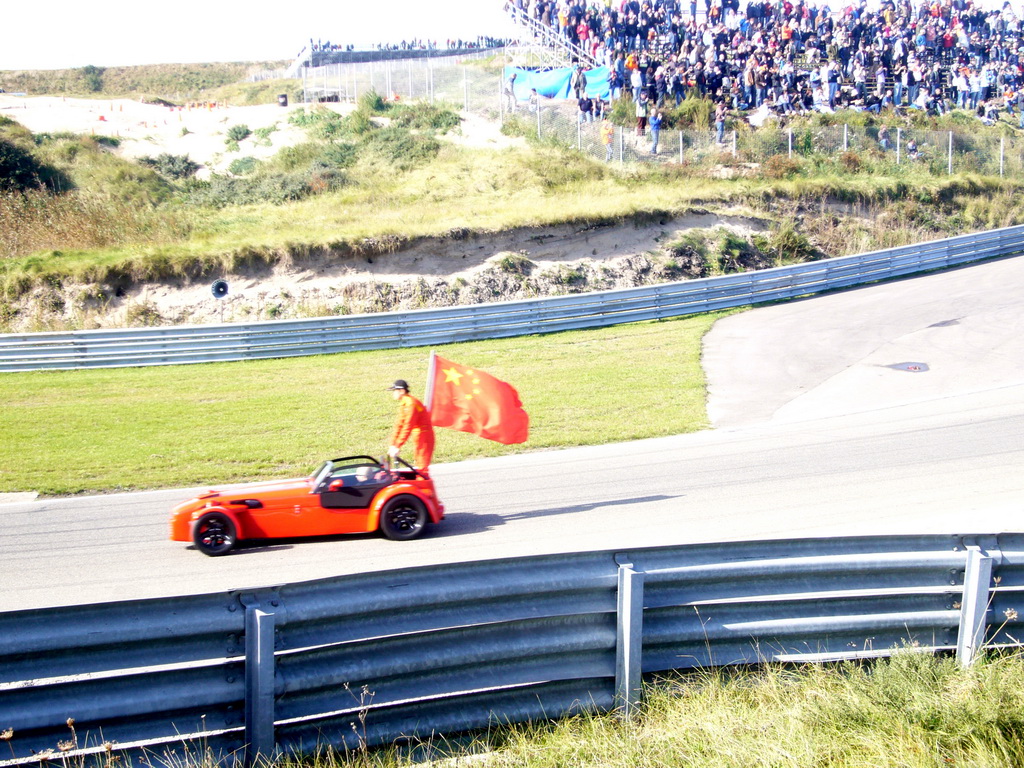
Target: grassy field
{"x": 167, "y": 81}
{"x": 66, "y": 432}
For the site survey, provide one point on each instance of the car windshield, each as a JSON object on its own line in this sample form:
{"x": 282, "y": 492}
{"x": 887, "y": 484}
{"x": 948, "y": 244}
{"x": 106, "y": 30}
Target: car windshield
{"x": 322, "y": 473}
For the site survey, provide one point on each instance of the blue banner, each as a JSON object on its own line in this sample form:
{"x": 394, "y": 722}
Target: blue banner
{"x": 597, "y": 83}
{"x": 557, "y": 83}
{"x": 551, "y": 83}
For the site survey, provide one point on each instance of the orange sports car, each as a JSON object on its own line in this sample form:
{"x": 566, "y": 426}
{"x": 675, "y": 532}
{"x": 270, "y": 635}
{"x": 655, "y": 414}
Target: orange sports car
{"x": 356, "y": 494}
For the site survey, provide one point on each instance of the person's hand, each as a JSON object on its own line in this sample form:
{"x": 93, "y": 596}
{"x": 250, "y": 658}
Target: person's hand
{"x": 393, "y": 451}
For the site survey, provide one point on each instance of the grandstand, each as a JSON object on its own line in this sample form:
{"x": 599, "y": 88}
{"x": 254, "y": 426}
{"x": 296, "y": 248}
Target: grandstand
{"x": 794, "y": 56}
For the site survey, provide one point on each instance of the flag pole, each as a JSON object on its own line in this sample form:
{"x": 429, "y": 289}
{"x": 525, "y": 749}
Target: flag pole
{"x": 428, "y": 397}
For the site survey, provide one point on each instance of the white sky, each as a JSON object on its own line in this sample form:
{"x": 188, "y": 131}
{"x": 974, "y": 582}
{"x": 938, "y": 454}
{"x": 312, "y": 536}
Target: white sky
{"x": 64, "y": 34}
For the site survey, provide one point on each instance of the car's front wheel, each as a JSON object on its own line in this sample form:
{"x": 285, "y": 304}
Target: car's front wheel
{"x": 403, "y": 518}
{"x": 214, "y": 534}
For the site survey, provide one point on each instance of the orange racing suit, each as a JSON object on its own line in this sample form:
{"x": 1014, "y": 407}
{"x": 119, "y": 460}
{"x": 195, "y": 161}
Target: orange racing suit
{"x": 413, "y": 421}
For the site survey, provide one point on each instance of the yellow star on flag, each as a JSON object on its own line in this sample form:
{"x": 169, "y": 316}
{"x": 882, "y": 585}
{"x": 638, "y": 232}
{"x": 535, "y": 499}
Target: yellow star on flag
{"x": 452, "y": 374}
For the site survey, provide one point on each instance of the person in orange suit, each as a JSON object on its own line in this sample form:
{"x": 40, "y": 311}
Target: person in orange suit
{"x": 412, "y": 421}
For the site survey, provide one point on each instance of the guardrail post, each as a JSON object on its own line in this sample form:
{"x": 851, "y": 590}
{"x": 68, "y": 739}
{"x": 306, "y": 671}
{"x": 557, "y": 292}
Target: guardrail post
{"x": 974, "y": 606}
{"x": 259, "y": 679}
{"x": 629, "y": 636}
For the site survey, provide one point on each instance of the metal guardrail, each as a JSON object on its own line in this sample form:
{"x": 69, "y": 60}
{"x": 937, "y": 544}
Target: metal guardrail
{"x": 292, "y": 338}
{"x": 415, "y": 653}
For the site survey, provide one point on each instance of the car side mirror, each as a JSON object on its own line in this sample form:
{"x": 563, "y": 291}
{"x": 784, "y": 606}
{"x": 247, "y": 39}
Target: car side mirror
{"x": 336, "y": 485}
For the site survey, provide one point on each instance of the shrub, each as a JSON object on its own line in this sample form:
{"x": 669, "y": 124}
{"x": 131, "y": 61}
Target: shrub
{"x": 93, "y": 77}
{"x": 238, "y": 133}
{"x": 356, "y": 124}
{"x": 693, "y": 112}
{"x": 517, "y": 126}
{"x": 567, "y": 276}
{"x": 314, "y": 118}
{"x": 326, "y": 180}
{"x": 222, "y": 191}
{"x": 296, "y": 157}
{"x": 425, "y": 117}
{"x": 515, "y": 264}
{"x": 372, "y": 103}
{"x": 125, "y": 181}
{"x": 736, "y": 254}
{"x": 263, "y": 135}
{"x": 171, "y": 166}
{"x": 851, "y": 162}
{"x": 312, "y": 157}
{"x": 276, "y": 189}
{"x": 243, "y": 166}
{"x": 144, "y": 313}
{"x": 689, "y": 257}
{"x": 19, "y": 169}
{"x": 803, "y": 142}
{"x": 779, "y": 167}
{"x": 623, "y": 111}
{"x": 323, "y": 123}
{"x": 396, "y": 146}
{"x": 784, "y": 244}
{"x": 340, "y": 155}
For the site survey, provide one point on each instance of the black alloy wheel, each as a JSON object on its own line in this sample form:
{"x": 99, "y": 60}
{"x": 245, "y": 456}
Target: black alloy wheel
{"x": 403, "y": 518}
{"x": 214, "y": 534}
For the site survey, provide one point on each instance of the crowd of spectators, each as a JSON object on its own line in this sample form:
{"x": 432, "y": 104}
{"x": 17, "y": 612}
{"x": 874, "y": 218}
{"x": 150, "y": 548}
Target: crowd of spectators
{"x": 795, "y": 56}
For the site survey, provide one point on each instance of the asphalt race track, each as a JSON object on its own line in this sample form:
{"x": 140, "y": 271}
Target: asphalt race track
{"x": 895, "y": 408}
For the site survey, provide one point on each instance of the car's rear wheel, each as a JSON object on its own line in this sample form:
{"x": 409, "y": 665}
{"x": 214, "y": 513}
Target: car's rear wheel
{"x": 403, "y": 518}
{"x": 214, "y": 534}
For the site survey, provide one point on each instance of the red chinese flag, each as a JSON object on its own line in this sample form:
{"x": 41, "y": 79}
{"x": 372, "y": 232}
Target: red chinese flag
{"x": 469, "y": 400}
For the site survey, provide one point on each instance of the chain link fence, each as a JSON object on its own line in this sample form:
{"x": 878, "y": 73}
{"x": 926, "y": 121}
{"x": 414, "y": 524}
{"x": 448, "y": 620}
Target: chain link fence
{"x": 478, "y": 90}
{"x": 432, "y": 80}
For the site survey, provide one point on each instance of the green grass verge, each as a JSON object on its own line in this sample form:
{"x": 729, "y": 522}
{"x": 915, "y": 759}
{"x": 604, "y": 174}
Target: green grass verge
{"x": 912, "y": 710}
{"x": 66, "y": 432}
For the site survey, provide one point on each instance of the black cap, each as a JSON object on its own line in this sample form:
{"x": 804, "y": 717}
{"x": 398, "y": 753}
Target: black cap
{"x": 399, "y": 384}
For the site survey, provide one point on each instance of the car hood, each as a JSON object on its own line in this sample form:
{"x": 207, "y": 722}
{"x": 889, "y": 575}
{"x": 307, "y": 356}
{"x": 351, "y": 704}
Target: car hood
{"x": 248, "y": 491}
